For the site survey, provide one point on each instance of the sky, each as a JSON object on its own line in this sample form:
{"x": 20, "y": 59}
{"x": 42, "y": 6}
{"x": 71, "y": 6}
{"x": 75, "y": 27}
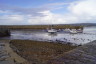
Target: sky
{"x": 39, "y": 12}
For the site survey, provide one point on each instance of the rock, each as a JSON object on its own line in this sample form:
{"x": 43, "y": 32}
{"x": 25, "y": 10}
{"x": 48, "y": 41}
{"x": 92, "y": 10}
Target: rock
{"x": 85, "y": 54}
{"x": 4, "y": 32}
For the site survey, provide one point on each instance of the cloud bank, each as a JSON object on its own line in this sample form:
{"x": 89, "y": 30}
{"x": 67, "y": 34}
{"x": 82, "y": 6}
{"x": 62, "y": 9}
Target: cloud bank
{"x": 82, "y": 11}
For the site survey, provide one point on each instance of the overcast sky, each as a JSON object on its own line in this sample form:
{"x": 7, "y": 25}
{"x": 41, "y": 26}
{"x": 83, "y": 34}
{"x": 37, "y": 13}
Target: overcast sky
{"x": 30, "y": 12}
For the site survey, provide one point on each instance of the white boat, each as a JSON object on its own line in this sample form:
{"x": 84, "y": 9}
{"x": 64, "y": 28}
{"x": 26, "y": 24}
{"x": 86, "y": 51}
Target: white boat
{"x": 67, "y": 30}
{"x": 52, "y": 30}
{"x": 73, "y": 31}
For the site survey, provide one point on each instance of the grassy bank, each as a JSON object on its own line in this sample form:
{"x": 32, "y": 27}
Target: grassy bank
{"x": 37, "y": 52}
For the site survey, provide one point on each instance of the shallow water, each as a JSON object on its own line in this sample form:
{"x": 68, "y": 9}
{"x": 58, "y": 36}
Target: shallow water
{"x": 88, "y": 35}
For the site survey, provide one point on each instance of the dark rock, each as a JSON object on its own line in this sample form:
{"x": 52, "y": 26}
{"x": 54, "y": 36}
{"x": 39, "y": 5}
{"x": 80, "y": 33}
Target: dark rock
{"x": 4, "y": 32}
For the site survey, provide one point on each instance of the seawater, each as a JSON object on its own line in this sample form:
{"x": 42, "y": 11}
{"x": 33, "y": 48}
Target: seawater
{"x": 88, "y": 35}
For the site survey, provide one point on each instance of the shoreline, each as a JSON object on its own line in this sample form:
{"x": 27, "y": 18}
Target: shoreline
{"x": 74, "y": 56}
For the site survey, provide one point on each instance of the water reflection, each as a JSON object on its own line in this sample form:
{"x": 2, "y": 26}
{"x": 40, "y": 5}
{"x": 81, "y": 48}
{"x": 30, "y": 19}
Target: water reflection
{"x": 52, "y": 34}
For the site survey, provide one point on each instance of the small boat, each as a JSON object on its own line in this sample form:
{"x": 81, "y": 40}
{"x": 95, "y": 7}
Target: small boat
{"x": 51, "y": 30}
{"x": 73, "y": 31}
{"x": 67, "y": 30}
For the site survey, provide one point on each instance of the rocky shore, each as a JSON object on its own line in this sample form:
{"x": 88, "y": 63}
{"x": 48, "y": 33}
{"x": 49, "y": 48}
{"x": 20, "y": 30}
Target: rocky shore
{"x": 8, "y": 56}
{"x": 39, "y": 52}
{"x": 85, "y": 54}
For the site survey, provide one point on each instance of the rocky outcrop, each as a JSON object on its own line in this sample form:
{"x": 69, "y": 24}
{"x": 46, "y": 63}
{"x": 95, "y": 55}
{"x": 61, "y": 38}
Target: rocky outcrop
{"x": 85, "y": 54}
{"x": 4, "y": 32}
